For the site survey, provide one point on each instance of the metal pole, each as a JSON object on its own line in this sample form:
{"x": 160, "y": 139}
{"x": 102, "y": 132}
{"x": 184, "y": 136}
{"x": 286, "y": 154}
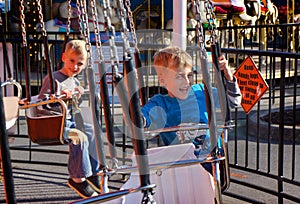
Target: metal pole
{"x": 5, "y": 155}
{"x": 179, "y": 23}
{"x": 162, "y": 14}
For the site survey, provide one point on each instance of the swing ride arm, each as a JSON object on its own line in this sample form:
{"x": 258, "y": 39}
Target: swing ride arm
{"x": 133, "y": 116}
{"x": 222, "y": 89}
{"x": 25, "y": 51}
{"x": 137, "y": 59}
{"x": 104, "y": 89}
{"x": 93, "y": 99}
{"x": 215, "y": 150}
{"x": 136, "y": 122}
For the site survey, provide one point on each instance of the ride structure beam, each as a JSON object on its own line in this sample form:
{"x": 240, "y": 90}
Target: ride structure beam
{"x": 179, "y": 23}
{"x": 5, "y": 157}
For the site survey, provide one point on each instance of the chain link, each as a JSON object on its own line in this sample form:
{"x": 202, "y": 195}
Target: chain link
{"x": 110, "y": 28}
{"x": 68, "y": 23}
{"x": 198, "y": 16}
{"x": 78, "y": 6}
{"x": 86, "y": 31}
{"x": 1, "y": 17}
{"x": 124, "y": 30}
{"x": 211, "y": 19}
{"x": 96, "y": 29}
{"x": 131, "y": 23}
{"x": 23, "y": 26}
{"x": 41, "y": 19}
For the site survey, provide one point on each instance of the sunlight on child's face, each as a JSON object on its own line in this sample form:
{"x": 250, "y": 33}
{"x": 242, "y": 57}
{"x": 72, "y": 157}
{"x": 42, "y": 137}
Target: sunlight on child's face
{"x": 178, "y": 82}
{"x": 73, "y": 63}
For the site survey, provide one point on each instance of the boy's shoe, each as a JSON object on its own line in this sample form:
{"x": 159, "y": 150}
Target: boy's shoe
{"x": 95, "y": 183}
{"x": 83, "y": 189}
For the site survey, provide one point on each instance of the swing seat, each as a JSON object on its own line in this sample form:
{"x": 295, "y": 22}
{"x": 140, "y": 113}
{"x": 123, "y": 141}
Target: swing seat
{"x": 184, "y": 184}
{"x": 11, "y": 110}
{"x": 195, "y": 133}
{"x": 11, "y": 107}
{"x": 45, "y": 123}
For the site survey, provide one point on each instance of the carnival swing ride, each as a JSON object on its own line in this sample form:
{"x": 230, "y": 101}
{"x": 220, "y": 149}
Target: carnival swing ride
{"x": 147, "y": 170}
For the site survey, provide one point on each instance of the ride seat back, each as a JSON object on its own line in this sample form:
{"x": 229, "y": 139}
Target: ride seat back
{"x": 11, "y": 110}
{"x": 11, "y": 103}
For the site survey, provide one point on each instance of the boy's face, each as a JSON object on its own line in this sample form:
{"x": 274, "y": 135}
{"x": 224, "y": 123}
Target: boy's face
{"x": 178, "y": 81}
{"x": 73, "y": 63}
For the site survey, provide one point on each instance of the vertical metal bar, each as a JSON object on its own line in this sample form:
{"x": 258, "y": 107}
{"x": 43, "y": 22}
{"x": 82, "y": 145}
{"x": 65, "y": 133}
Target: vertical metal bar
{"x": 210, "y": 107}
{"x": 281, "y": 132}
{"x": 225, "y": 108}
{"x": 132, "y": 116}
{"x": 257, "y": 135}
{"x": 107, "y": 111}
{"x": 141, "y": 85}
{"x": 6, "y": 63}
{"x": 293, "y": 169}
{"x": 137, "y": 123}
{"x": 235, "y": 140}
{"x": 26, "y": 72}
{"x": 48, "y": 64}
{"x": 246, "y": 141}
{"x": 273, "y": 80}
{"x": 96, "y": 122}
{"x": 272, "y": 68}
{"x": 5, "y": 156}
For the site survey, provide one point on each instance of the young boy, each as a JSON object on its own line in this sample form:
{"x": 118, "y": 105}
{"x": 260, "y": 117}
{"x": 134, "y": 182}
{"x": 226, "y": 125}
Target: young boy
{"x": 185, "y": 101}
{"x": 83, "y": 164}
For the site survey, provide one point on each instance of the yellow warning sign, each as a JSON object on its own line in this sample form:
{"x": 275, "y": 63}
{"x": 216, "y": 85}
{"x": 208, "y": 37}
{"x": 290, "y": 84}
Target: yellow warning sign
{"x": 252, "y": 84}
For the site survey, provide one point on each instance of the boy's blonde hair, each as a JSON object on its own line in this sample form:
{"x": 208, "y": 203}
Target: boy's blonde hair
{"x": 171, "y": 57}
{"x": 76, "y": 46}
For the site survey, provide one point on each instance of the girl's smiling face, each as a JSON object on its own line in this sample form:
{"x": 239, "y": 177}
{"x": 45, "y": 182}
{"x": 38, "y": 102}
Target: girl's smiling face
{"x": 177, "y": 81}
{"x": 73, "y": 63}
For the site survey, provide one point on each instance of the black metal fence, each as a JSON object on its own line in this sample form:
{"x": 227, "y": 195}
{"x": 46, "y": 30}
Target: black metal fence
{"x": 264, "y": 145}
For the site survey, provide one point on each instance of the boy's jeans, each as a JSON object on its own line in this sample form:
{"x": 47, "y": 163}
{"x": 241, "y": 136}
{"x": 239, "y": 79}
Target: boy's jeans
{"x": 83, "y": 161}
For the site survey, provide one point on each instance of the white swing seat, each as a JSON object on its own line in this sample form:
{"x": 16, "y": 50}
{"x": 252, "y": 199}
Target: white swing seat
{"x": 11, "y": 103}
{"x": 46, "y": 127}
{"x": 186, "y": 184}
{"x": 11, "y": 110}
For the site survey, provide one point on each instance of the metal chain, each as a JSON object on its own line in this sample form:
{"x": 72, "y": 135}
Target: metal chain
{"x": 131, "y": 23}
{"x": 68, "y": 23}
{"x": 96, "y": 30}
{"x": 23, "y": 26}
{"x": 211, "y": 18}
{"x": 113, "y": 48}
{"x": 200, "y": 32}
{"x": 86, "y": 31}
{"x": 41, "y": 19}
{"x": 1, "y": 18}
{"x": 78, "y": 6}
{"x": 124, "y": 30}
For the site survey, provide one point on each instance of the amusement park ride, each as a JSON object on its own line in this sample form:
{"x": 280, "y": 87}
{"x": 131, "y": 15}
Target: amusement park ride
{"x": 145, "y": 162}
